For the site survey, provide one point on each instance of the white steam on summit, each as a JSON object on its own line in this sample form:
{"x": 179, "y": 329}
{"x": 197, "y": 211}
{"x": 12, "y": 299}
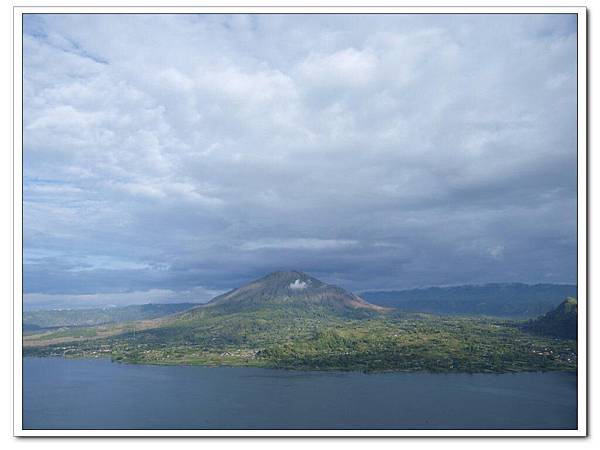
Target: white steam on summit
{"x": 298, "y": 285}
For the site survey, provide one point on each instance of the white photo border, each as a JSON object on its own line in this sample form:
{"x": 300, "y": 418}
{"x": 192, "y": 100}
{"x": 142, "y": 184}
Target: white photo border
{"x": 582, "y": 206}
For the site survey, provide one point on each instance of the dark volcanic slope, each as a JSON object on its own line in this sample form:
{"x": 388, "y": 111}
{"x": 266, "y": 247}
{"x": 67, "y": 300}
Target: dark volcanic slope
{"x": 560, "y": 322}
{"x": 290, "y": 289}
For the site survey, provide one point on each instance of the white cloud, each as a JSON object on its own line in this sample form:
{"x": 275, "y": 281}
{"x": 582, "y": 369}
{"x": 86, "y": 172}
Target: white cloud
{"x": 298, "y": 285}
{"x": 347, "y": 67}
{"x": 370, "y": 151}
{"x": 297, "y": 244}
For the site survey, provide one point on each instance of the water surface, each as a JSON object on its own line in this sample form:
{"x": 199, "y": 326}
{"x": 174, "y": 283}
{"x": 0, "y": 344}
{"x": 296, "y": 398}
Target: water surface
{"x": 97, "y": 394}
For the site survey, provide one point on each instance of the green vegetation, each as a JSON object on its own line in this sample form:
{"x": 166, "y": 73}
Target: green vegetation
{"x": 272, "y": 323}
{"x": 281, "y": 339}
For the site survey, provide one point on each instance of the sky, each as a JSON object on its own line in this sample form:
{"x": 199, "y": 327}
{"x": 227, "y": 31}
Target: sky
{"x": 173, "y": 157}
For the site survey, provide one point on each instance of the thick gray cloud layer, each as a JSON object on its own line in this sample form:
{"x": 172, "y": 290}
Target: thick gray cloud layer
{"x": 176, "y": 156}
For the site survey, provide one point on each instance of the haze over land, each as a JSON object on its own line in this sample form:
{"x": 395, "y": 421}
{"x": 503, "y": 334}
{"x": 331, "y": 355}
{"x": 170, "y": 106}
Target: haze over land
{"x": 172, "y": 158}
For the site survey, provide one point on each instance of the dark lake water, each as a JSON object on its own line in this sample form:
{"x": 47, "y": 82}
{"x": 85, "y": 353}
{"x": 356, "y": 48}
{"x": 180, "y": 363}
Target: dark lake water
{"x": 97, "y": 394}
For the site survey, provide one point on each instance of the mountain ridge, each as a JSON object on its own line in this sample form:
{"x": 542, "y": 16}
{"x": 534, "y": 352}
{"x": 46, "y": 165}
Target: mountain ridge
{"x": 292, "y": 289}
{"x": 513, "y": 300}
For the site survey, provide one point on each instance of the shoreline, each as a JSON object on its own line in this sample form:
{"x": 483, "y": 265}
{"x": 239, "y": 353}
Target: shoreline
{"x": 310, "y": 370}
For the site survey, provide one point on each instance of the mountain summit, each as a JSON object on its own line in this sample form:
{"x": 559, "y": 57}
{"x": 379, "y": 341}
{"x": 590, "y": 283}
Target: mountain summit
{"x": 291, "y": 289}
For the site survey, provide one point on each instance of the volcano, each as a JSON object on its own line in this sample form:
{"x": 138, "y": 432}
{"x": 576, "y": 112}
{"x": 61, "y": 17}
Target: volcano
{"x": 291, "y": 289}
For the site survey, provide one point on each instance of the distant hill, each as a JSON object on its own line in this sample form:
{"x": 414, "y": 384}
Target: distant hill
{"x": 513, "y": 300}
{"x": 36, "y": 320}
{"x": 560, "y": 322}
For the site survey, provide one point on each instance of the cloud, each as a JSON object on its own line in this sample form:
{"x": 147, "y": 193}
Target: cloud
{"x": 180, "y": 152}
{"x": 298, "y": 285}
{"x": 43, "y": 301}
{"x": 297, "y": 244}
{"x": 341, "y": 69}
{"x": 496, "y": 252}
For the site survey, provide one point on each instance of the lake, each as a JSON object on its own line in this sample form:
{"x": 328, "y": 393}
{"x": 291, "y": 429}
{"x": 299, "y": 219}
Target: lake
{"x": 98, "y": 394}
